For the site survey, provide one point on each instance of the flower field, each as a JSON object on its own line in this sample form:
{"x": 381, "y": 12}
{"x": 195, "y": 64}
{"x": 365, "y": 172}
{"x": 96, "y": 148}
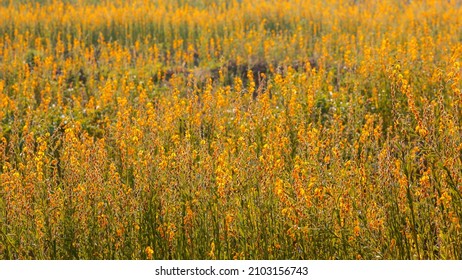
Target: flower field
{"x": 226, "y": 129}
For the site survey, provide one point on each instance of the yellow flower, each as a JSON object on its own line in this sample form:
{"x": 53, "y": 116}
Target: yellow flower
{"x": 149, "y": 252}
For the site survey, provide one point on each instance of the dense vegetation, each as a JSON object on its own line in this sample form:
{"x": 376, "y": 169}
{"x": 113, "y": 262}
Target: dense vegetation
{"x": 297, "y": 129}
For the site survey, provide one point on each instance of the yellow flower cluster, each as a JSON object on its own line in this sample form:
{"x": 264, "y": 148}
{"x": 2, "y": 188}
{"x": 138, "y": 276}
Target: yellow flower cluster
{"x": 225, "y": 129}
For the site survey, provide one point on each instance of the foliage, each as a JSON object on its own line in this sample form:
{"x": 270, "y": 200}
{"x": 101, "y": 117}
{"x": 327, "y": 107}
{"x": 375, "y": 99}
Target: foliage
{"x": 298, "y": 129}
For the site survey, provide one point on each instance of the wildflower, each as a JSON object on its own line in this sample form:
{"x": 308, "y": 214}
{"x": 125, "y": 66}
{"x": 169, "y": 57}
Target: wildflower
{"x": 149, "y": 252}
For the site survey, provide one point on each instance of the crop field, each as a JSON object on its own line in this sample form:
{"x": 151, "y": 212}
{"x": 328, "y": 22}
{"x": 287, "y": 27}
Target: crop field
{"x": 226, "y": 129}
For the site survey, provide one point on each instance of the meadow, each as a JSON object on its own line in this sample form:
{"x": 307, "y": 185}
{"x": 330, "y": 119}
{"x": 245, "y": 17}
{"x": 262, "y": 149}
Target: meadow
{"x": 226, "y": 129}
